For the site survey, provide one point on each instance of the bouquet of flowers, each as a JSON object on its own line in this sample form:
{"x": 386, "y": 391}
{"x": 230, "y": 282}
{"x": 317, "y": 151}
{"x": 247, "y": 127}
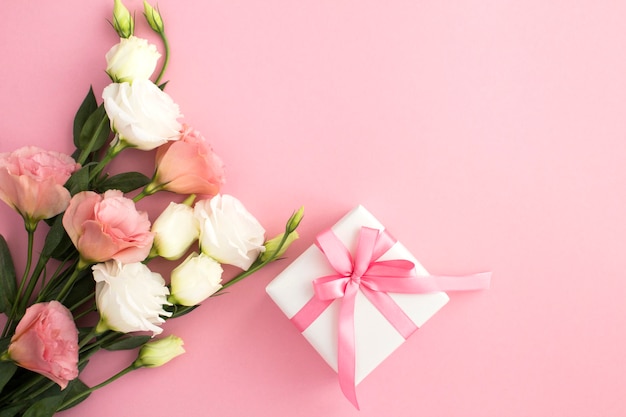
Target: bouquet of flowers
{"x": 91, "y": 287}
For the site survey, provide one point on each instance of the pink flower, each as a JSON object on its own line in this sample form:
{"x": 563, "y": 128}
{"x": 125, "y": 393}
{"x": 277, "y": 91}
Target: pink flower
{"x": 46, "y": 342}
{"x": 189, "y": 165}
{"x": 31, "y": 181}
{"x": 104, "y": 227}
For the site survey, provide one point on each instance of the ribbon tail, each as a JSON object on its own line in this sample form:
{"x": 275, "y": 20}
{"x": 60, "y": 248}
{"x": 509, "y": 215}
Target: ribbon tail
{"x": 346, "y": 352}
{"x": 392, "y": 312}
{"x": 480, "y": 281}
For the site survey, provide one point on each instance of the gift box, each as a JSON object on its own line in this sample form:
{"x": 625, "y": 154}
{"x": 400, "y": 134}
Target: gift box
{"x": 357, "y": 294}
{"x": 375, "y": 338}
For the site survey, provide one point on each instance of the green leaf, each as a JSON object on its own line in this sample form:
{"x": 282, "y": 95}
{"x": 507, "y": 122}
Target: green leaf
{"x": 46, "y": 407}
{"x": 7, "y": 369}
{"x": 178, "y": 311}
{"x": 126, "y": 343}
{"x": 87, "y": 107}
{"x": 10, "y": 411}
{"x": 57, "y": 241}
{"x": 95, "y": 131}
{"x": 54, "y": 290}
{"x": 74, "y": 389}
{"x": 79, "y": 181}
{"x": 8, "y": 280}
{"x": 83, "y": 286}
{"x": 4, "y": 343}
{"x": 126, "y": 182}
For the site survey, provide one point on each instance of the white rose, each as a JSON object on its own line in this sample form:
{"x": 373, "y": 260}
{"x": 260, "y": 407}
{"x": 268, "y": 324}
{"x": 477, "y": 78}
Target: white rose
{"x": 131, "y": 59}
{"x": 174, "y": 230}
{"x": 129, "y": 297}
{"x": 195, "y": 280}
{"x": 228, "y": 232}
{"x": 141, "y": 114}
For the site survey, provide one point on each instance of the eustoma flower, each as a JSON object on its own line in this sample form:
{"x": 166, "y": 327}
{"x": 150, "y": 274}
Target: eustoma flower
{"x": 196, "y": 279}
{"x": 129, "y": 297}
{"x": 175, "y": 230}
{"x": 202, "y": 171}
{"x": 143, "y": 116}
{"x": 104, "y": 227}
{"x": 46, "y": 342}
{"x": 228, "y": 232}
{"x": 31, "y": 182}
{"x": 131, "y": 59}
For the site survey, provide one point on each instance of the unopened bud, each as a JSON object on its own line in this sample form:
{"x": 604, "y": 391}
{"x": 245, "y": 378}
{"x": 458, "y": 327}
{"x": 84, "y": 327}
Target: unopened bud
{"x": 123, "y": 22}
{"x": 153, "y": 17}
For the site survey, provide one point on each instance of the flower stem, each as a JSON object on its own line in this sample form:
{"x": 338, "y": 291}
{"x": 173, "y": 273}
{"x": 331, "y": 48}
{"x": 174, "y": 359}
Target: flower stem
{"x": 34, "y": 278}
{"x": 71, "y": 280}
{"x": 30, "y": 229}
{"x": 88, "y": 337}
{"x": 255, "y": 266}
{"x": 36, "y": 379}
{"x": 116, "y": 147}
{"x": 166, "y": 59}
{"x": 82, "y": 394}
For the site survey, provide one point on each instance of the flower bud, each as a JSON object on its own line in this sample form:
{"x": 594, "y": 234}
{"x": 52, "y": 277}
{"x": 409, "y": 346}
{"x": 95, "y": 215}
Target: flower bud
{"x": 153, "y": 17}
{"x": 271, "y": 246}
{"x": 174, "y": 230}
{"x": 294, "y": 220}
{"x": 159, "y": 352}
{"x": 123, "y": 22}
{"x": 195, "y": 280}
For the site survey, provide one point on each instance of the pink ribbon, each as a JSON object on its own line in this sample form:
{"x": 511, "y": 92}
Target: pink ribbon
{"x": 375, "y": 279}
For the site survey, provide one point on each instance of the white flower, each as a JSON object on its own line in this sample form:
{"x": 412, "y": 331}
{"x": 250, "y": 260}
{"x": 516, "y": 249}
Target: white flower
{"x": 129, "y": 297}
{"x": 195, "y": 280}
{"x": 141, "y": 114}
{"x": 131, "y": 59}
{"x": 228, "y": 232}
{"x": 174, "y": 230}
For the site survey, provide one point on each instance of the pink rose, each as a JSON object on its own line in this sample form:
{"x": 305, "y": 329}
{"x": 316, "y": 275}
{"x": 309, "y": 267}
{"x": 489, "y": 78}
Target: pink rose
{"x": 189, "y": 165}
{"x": 46, "y": 342}
{"x": 104, "y": 227}
{"x": 31, "y": 181}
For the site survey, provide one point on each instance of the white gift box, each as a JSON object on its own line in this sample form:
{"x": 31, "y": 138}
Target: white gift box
{"x": 375, "y": 337}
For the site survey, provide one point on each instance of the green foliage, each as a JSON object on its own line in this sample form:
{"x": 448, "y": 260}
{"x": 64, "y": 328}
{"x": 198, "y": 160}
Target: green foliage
{"x": 179, "y": 311}
{"x": 125, "y": 182}
{"x": 87, "y": 107}
{"x": 74, "y": 390}
{"x": 7, "y": 369}
{"x": 79, "y": 181}
{"x": 45, "y": 407}
{"x": 11, "y": 411}
{"x": 127, "y": 343}
{"x": 8, "y": 285}
{"x": 57, "y": 241}
{"x": 91, "y": 127}
{"x": 95, "y": 131}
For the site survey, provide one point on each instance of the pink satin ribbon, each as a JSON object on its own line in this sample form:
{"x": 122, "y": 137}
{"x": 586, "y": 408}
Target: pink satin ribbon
{"x": 375, "y": 279}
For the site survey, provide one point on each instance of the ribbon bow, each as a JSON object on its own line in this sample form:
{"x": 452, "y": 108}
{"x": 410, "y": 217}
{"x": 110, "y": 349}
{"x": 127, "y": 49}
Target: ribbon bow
{"x": 375, "y": 279}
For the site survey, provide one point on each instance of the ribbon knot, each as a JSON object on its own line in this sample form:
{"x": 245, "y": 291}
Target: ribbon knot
{"x": 374, "y": 278}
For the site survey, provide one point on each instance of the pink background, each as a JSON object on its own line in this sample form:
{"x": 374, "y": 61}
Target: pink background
{"x": 484, "y": 135}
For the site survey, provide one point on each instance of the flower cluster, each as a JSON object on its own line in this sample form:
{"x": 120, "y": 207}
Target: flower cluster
{"x": 96, "y": 254}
